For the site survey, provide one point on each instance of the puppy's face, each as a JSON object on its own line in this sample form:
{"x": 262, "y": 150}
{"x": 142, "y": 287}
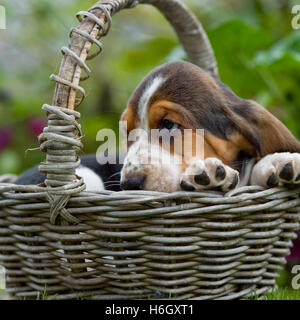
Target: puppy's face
{"x": 179, "y": 113}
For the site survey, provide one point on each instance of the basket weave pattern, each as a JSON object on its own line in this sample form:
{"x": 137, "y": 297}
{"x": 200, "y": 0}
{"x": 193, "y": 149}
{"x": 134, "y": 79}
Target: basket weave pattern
{"x": 135, "y": 244}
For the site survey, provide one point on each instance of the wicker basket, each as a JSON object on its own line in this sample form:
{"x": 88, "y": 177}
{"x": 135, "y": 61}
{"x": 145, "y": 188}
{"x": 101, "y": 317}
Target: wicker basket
{"x": 135, "y": 244}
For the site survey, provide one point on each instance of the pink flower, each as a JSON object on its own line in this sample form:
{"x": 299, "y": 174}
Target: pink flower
{"x": 295, "y": 251}
{"x": 36, "y": 125}
{"x": 5, "y": 138}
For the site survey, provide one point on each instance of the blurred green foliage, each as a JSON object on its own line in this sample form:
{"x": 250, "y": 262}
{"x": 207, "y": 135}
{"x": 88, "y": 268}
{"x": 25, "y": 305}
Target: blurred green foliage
{"x": 257, "y": 50}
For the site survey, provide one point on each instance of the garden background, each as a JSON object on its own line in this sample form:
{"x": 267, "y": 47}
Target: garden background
{"x": 257, "y": 50}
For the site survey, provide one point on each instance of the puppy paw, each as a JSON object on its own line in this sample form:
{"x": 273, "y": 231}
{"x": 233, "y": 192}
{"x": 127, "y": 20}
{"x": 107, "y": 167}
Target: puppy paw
{"x": 210, "y": 173}
{"x": 277, "y": 169}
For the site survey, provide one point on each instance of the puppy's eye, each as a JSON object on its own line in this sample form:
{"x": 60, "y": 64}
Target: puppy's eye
{"x": 169, "y": 125}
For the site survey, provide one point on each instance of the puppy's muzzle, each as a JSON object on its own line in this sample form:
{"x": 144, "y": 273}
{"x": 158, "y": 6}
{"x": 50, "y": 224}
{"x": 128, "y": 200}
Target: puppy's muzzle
{"x": 134, "y": 183}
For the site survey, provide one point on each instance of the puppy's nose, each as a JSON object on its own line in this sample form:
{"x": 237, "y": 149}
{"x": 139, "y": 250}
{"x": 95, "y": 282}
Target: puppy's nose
{"x": 135, "y": 183}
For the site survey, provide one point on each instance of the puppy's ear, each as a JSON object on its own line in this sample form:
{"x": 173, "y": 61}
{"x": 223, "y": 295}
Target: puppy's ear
{"x": 273, "y": 134}
{"x": 129, "y": 117}
{"x": 264, "y": 131}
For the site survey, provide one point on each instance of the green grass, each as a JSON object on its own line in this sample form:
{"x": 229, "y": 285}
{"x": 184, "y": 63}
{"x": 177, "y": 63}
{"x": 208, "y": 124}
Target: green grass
{"x": 277, "y": 294}
{"x": 283, "y": 294}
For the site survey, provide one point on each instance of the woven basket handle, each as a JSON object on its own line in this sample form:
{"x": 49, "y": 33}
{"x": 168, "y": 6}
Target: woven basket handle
{"x": 60, "y": 139}
{"x": 97, "y": 23}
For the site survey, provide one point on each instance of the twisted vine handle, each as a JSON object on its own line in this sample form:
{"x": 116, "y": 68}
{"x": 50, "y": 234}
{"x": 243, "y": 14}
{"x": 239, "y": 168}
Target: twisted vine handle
{"x": 97, "y": 23}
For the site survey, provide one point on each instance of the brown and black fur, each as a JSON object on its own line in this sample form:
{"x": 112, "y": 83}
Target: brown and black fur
{"x": 242, "y": 125}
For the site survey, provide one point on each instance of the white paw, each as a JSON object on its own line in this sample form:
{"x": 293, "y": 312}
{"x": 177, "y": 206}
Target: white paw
{"x": 209, "y": 174}
{"x": 277, "y": 169}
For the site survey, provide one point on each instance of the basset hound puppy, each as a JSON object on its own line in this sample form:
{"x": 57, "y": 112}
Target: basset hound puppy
{"x": 242, "y": 142}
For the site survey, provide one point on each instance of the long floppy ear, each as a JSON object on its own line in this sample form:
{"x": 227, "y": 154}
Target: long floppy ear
{"x": 264, "y": 131}
{"x": 273, "y": 134}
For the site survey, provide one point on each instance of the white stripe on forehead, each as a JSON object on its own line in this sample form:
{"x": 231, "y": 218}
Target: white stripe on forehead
{"x": 143, "y": 105}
